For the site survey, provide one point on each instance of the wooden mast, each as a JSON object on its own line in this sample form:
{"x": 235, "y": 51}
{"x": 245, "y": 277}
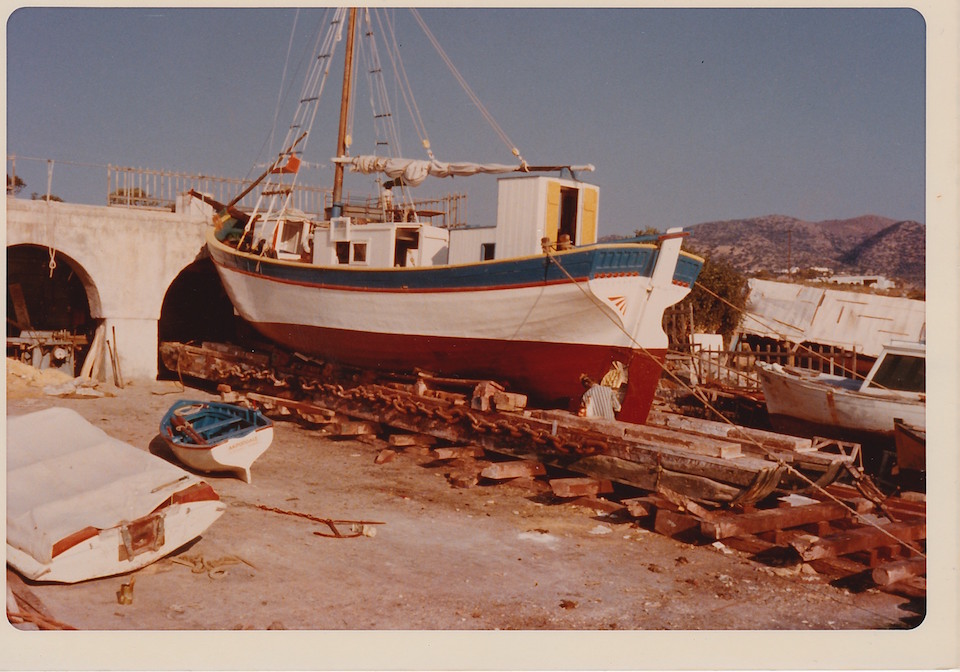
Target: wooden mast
{"x": 344, "y": 110}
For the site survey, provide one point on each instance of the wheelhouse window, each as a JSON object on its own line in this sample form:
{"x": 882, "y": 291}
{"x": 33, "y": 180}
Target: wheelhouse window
{"x": 487, "y": 251}
{"x": 901, "y": 372}
{"x": 359, "y": 251}
{"x": 343, "y": 252}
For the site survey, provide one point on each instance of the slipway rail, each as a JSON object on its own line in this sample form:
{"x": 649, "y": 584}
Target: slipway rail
{"x": 707, "y": 469}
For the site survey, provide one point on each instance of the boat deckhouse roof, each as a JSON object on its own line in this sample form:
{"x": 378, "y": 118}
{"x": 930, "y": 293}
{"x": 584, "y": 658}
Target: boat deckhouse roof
{"x": 852, "y": 320}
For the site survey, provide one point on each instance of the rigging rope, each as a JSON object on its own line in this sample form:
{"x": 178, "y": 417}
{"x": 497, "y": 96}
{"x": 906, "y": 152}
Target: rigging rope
{"x": 283, "y": 78}
{"x": 774, "y": 458}
{"x": 466, "y": 87}
{"x": 51, "y": 250}
{"x": 400, "y": 75}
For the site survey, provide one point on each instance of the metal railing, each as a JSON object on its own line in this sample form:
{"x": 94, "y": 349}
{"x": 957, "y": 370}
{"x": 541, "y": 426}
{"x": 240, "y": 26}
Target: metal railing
{"x": 146, "y": 188}
{"x": 158, "y": 189}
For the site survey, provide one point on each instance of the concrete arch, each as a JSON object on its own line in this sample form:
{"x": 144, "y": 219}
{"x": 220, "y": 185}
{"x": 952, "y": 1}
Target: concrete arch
{"x": 196, "y": 306}
{"x": 94, "y": 305}
{"x": 130, "y": 256}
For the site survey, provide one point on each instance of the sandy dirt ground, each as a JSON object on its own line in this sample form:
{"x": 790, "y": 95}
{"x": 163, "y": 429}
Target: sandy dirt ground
{"x": 495, "y": 556}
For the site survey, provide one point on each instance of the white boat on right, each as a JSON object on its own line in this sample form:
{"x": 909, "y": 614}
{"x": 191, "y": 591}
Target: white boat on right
{"x": 894, "y": 388}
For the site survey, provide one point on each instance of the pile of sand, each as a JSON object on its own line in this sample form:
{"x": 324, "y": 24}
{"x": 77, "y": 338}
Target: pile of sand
{"x": 25, "y": 381}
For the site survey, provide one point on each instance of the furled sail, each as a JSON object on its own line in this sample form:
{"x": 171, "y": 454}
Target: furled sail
{"x": 415, "y": 171}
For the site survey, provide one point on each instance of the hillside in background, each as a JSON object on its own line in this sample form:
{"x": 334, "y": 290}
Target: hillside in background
{"x": 868, "y": 245}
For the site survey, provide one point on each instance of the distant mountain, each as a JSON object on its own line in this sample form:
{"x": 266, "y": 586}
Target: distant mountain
{"x": 867, "y": 245}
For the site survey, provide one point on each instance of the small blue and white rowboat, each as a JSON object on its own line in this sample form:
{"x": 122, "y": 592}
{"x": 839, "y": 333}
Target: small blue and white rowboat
{"x": 212, "y": 436}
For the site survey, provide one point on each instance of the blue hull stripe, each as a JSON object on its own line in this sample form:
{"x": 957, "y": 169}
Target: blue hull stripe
{"x": 581, "y": 264}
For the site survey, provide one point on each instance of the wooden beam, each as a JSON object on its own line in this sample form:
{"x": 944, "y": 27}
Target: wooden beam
{"x": 513, "y": 469}
{"x": 860, "y": 539}
{"x": 884, "y": 575}
{"x": 579, "y": 487}
{"x": 736, "y": 525}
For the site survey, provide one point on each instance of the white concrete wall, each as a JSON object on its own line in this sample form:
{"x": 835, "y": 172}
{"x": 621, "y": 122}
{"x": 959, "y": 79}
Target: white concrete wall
{"x": 127, "y": 259}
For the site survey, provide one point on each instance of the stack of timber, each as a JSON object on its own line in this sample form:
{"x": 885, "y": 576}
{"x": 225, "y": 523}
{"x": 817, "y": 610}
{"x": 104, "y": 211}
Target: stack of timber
{"x": 836, "y": 533}
{"x": 724, "y": 470}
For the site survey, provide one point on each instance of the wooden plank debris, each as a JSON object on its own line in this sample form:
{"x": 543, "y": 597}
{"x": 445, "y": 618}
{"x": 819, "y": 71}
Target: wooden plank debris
{"x": 304, "y": 410}
{"x": 579, "y": 487}
{"x": 765, "y": 520}
{"x": 884, "y": 575}
{"x": 384, "y": 456}
{"x": 728, "y": 431}
{"x": 811, "y": 547}
{"x": 641, "y": 507}
{"x": 458, "y": 452}
{"x": 350, "y": 428}
{"x": 403, "y": 440}
{"x": 509, "y": 401}
{"x": 513, "y": 469}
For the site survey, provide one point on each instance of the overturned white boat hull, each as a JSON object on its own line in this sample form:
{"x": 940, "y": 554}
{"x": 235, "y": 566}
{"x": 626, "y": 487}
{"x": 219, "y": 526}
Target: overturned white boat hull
{"x": 83, "y": 505}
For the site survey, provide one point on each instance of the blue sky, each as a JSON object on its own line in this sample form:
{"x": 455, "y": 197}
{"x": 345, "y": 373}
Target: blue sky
{"x": 689, "y": 115}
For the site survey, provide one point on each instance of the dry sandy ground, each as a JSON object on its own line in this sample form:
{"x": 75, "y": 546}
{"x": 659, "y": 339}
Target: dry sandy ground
{"x": 494, "y": 556}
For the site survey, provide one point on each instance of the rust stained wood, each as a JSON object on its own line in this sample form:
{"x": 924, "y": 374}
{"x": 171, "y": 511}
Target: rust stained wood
{"x": 514, "y": 469}
{"x": 579, "y": 487}
{"x": 649, "y": 477}
{"x": 740, "y": 473}
{"x": 860, "y": 539}
{"x": 311, "y": 412}
{"x": 458, "y": 452}
{"x": 729, "y": 525}
{"x": 412, "y": 440}
{"x": 701, "y": 444}
{"x": 733, "y": 432}
{"x": 698, "y": 476}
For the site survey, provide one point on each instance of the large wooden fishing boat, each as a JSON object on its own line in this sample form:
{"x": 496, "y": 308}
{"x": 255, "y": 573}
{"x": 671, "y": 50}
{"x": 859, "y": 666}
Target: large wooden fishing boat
{"x": 535, "y": 302}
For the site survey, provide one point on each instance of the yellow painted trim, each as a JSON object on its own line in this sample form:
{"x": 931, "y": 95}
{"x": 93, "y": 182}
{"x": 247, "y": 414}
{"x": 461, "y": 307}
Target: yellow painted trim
{"x": 552, "y": 221}
{"x": 588, "y": 217}
{"x": 691, "y": 255}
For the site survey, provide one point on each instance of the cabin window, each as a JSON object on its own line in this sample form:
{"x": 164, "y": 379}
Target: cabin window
{"x": 486, "y": 251}
{"x": 343, "y": 252}
{"x": 901, "y": 372}
{"x": 359, "y": 251}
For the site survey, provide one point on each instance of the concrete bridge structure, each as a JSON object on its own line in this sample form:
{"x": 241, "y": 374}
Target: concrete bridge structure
{"x": 126, "y": 258}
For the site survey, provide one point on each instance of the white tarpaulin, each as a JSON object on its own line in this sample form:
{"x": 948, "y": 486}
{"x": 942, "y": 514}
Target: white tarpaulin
{"x": 415, "y": 171}
{"x": 852, "y": 320}
{"x": 64, "y": 475}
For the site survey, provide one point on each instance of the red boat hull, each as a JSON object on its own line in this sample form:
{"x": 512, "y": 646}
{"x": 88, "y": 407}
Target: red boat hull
{"x": 547, "y": 372}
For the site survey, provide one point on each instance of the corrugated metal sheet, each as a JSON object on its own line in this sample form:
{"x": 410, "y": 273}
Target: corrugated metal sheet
{"x": 852, "y": 320}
